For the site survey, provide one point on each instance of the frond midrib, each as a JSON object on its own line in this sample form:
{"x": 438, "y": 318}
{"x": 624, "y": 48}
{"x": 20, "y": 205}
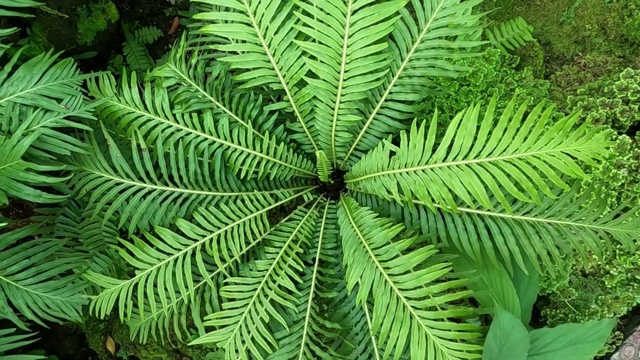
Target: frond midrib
{"x": 462, "y": 162}
{"x": 392, "y": 83}
{"x": 213, "y": 138}
{"x": 267, "y": 51}
{"x": 532, "y": 219}
{"x": 11, "y": 164}
{"x": 266, "y": 276}
{"x": 343, "y": 66}
{"x": 215, "y": 101}
{"x": 427, "y": 331}
{"x": 47, "y": 295}
{"x": 371, "y": 334}
{"x": 314, "y": 277}
{"x": 36, "y": 88}
{"x": 190, "y": 191}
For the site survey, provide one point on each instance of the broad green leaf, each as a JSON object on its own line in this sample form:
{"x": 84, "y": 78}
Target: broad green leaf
{"x": 490, "y": 283}
{"x": 507, "y": 338}
{"x": 527, "y": 287}
{"x": 570, "y": 341}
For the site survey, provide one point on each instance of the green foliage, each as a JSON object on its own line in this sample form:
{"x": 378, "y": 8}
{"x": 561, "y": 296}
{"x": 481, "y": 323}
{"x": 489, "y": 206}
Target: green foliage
{"x": 508, "y": 338}
{"x": 324, "y": 166}
{"x": 14, "y": 8}
{"x": 94, "y": 18}
{"x": 493, "y": 75}
{"x": 135, "y": 52}
{"x": 9, "y": 342}
{"x": 612, "y": 102}
{"x": 202, "y": 181}
{"x": 511, "y": 34}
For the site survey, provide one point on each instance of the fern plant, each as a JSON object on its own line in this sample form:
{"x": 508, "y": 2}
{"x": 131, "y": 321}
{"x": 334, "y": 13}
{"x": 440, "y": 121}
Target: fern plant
{"x": 42, "y": 104}
{"x": 511, "y": 35}
{"x": 281, "y": 201}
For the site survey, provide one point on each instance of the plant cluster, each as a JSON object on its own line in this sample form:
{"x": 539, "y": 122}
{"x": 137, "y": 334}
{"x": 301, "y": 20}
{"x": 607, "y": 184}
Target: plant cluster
{"x": 278, "y": 187}
{"x": 494, "y": 74}
{"x": 596, "y": 288}
{"x": 94, "y": 18}
{"x": 614, "y": 102}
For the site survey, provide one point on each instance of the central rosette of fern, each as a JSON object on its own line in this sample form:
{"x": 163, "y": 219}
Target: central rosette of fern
{"x": 330, "y": 181}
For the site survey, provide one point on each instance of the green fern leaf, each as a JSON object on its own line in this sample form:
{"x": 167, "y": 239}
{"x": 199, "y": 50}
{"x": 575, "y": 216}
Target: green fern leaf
{"x": 310, "y": 330}
{"x": 20, "y": 178}
{"x": 172, "y": 316}
{"x": 267, "y": 288}
{"x": 137, "y": 56}
{"x": 421, "y": 46}
{"x": 542, "y": 233}
{"x": 404, "y": 287}
{"x": 261, "y": 46}
{"x": 198, "y": 84}
{"x": 10, "y": 342}
{"x": 14, "y": 8}
{"x": 35, "y": 281}
{"x": 147, "y": 34}
{"x": 324, "y": 166}
{"x": 510, "y": 35}
{"x": 475, "y": 150}
{"x": 245, "y": 154}
{"x": 216, "y": 234}
{"x": 347, "y": 63}
{"x": 140, "y": 196}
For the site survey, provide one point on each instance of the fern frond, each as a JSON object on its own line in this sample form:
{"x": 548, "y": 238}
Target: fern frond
{"x": 511, "y": 34}
{"x": 422, "y": 46}
{"x": 347, "y": 61}
{"x": 261, "y": 35}
{"x": 268, "y": 287}
{"x": 199, "y": 84}
{"x": 10, "y": 342}
{"x": 54, "y": 129}
{"x": 324, "y": 166}
{"x": 412, "y": 303}
{"x": 151, "y": 115}
{"x": 161, "y": 184}
{"x": 147, "y": 34}
{"x": 475, "y": 150}
{"x": 23, "y": 179}
{"x": 34, "y": 281}
{"x": 172, "y": 316}
{"x": 166, "y": 263}
{"x": 310, "y": 331}
{"x": 42, "y": 82}
{"x": 88, "y": 237}
{"x": 137, "y": 56}
{"x": 542, "y": 233}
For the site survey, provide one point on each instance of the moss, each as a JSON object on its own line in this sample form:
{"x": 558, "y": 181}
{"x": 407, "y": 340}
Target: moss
{"x": 94, "y": 18}
{"x": 568, "y": 28}
{"x": 532, "y": 56}
{"x": 569, "y": 78}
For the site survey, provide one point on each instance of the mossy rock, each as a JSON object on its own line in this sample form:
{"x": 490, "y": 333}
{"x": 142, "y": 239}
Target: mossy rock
{"x": 98, "y": 330}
